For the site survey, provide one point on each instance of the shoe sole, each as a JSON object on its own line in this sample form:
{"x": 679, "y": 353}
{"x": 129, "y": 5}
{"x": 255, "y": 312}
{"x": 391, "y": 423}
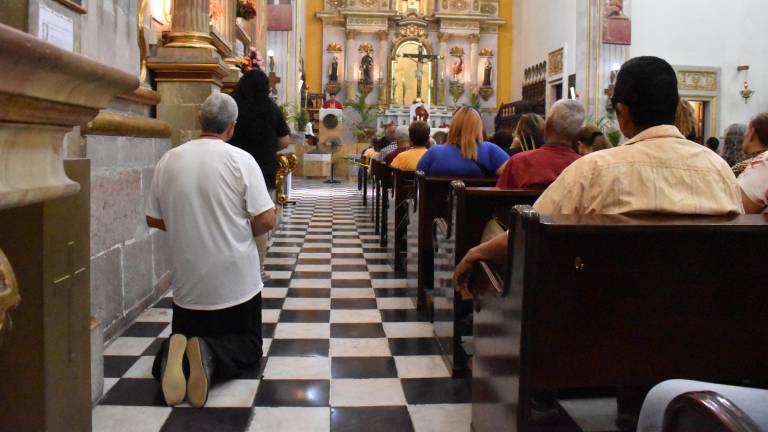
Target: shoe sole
{"x": 174, "y": 384}
{"x": 197, "y": 386}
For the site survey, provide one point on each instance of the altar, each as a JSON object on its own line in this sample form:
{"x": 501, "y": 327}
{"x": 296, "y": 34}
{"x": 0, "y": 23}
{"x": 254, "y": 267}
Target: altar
{"x": 397, "y": 55}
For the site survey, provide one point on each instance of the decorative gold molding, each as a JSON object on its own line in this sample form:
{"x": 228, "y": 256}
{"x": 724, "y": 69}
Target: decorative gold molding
{"x": 697, "y": 80}
{"x": 365, "y": 48}
{"x": 73, "y": 6}
{"x": 457, "y": 51}
{"x": 486, "y": 52}
{"x": 189, "y": 40}
{"x": 107, "y": 123}
{"x": 334, "y": 47}
{"x": 142, "y": 95}
{"x": 286, "y": 163}
{"x": 9, "y": 294}
{"x": 555, "y": 62}
{"x": 221, "y": 46}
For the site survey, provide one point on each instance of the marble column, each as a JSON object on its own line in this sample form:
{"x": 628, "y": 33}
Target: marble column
{"x": 383, "y": 66}
{"x": 190, "y": 24}
{"x": 442, "y": 75}
{"x": 187, "y": 69}
{"x": 474, "y": 60}
{"x": 349, "y": 61}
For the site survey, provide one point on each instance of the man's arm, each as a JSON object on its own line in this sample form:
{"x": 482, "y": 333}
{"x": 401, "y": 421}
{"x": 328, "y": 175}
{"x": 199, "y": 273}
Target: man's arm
{"x": 264, "y": 222}
{"x": 492, "y": 250}
{"x": 750, "y": 207}
{"x": 156, "y": 223}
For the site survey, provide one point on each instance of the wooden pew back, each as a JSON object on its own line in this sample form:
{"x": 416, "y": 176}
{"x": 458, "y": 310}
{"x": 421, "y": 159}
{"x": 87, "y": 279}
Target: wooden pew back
{"x": 404, "y": 185}
{"x": 471, "y": 209}
{"x": 433, "y": 201}
{"x": 596, "y": 301}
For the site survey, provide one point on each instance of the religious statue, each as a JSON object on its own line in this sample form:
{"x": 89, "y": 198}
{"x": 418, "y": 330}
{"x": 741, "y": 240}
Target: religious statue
{"x": 617, "y": 27}
{"x": 333, "y": 74}
{"x": 458, "y": 68}
{"x": 488, "y": 72}
{"x": 366, "y": 68}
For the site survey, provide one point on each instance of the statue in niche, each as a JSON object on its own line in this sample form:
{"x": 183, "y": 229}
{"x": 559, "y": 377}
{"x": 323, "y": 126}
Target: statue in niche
{"x": 333, "y": 73}
{"x": 617, "y": 27}
{"x": 458, "y": 68}
{"x": 488, "y": 73}
{"x": 366, "y": 68}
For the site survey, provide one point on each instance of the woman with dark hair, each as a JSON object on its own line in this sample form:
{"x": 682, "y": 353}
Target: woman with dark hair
{"x": 261, "y": 131}
{"x": 591, "y": 139}
{"x": 734, "y": 138}
{"x": 529, "y": 133}
{"x": 755, "y": 142}
{"x": 504, "y": 138}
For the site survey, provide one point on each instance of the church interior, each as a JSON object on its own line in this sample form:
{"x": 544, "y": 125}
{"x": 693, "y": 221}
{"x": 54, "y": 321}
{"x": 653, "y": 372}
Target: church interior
{"x": 581, "y": 264}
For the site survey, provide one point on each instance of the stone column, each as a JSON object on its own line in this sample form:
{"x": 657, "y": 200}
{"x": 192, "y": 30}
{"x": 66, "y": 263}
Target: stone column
{"x": 349, "y": 74}
{"x": 190, "y": 24}
{"x": 442, "y": 75}
{"x": 383, "y": 66}
{"x": 474, "y": 59}
{"x": 187, "y": 69}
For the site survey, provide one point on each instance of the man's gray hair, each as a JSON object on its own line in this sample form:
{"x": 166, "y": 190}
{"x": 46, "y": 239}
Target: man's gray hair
{"x": 217, "y": 112}
{"x": 401, "y": 133}
{"x": 566, "y": 117}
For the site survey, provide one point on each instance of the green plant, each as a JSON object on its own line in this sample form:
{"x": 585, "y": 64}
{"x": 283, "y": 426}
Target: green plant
{"x": 302, "y": 118}
{"x": 607, "y": 124}
{"x": 474, "y": 101}
{"x": 367, "y": 116}
{"x": 289, "y": 112}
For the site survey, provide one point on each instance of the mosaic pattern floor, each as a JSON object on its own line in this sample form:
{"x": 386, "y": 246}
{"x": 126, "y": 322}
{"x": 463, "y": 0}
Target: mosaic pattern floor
{"x": 345, "y": 348}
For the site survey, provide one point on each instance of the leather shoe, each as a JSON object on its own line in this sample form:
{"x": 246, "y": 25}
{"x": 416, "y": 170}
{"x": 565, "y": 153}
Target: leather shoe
{"x": 201, "y": 364}
{"x": 172, "y": 370}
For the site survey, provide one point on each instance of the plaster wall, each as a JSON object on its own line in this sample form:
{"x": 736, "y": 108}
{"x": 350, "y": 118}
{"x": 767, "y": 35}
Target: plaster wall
{"x": 690, "y": 33}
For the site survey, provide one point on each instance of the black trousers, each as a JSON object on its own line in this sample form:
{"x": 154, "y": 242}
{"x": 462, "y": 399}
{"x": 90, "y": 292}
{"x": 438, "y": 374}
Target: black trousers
{"x": 233, "y": 335}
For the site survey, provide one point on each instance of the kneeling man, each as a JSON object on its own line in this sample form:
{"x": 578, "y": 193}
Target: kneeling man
{"x": 212, "y": 200}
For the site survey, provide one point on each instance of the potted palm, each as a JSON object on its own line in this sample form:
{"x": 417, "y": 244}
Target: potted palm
{"x": 367, "y": 115}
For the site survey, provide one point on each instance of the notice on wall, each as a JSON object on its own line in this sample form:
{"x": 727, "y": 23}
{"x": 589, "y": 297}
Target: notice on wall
{"x": 56, "y": 28}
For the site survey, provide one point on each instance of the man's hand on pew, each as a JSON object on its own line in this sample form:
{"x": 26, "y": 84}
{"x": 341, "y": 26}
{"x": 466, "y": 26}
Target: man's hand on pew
{"x": 492, "y": 250}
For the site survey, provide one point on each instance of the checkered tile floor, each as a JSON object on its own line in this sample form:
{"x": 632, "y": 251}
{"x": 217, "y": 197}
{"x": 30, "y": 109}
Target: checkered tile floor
{"x": 345, "y": 348}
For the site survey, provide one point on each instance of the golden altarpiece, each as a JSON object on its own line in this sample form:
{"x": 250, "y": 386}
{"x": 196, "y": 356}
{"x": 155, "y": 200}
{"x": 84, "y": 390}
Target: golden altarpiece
{"x": 402, "y": 54}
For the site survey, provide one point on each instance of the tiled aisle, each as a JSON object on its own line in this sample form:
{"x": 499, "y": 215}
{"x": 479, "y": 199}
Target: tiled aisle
{"x": 346, "y": 349}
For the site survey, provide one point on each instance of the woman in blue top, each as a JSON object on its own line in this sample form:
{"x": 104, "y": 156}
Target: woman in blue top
{"x": 466, "y": 154}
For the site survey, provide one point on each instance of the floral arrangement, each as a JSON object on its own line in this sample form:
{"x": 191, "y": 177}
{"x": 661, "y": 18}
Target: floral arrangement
{"x": 214, "y": 9}
{"x": 246, "y": 9}
{"x": 244, "y": 63}
{"x": 256, "y": 58}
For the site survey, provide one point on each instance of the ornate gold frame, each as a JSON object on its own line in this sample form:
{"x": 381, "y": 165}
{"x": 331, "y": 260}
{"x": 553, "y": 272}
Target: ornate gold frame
{"x": 432, "y": 70}
{"x": 73, "y": 6}
{"x": 9, "y": 293}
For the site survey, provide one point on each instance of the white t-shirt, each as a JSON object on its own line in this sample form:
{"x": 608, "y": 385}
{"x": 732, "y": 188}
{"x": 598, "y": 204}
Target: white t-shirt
{"x": 206, "y": 191}
{"x": 754, "y": 181}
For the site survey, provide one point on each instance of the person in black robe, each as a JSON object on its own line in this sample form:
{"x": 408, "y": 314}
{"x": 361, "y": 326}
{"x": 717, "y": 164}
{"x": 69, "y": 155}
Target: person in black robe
{"x": 261, "y": 130}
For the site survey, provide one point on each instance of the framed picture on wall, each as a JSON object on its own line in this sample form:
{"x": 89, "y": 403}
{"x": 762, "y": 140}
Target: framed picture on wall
{"x": 75, "y": 5}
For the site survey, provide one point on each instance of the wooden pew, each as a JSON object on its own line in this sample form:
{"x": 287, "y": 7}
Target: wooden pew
{"x": 432, "y": 202}
{"x": 384, "y": 175}
{"x": 404, "y": 190}
{"x": 705, "y": 412}
{"x": 602, "y": 301}
{"x": 471, "y": 209}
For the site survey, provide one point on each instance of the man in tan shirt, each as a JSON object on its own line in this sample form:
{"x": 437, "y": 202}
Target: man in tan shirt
{"x": 656, "y": 171}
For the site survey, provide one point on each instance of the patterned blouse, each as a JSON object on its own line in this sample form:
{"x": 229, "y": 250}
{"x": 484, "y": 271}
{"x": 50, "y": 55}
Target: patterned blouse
{"x": 741, "y": 166}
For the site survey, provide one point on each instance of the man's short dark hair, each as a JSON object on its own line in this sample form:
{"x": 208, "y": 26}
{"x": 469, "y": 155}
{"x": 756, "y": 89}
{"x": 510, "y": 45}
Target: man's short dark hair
{"x": 648, "y": 86}
{"x": 419, "y": 134}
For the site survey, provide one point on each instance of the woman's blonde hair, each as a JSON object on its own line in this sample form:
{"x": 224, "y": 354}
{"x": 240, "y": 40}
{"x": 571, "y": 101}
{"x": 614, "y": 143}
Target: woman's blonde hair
{"x": 466, "y": 132}
{"x": 685, "y": 119}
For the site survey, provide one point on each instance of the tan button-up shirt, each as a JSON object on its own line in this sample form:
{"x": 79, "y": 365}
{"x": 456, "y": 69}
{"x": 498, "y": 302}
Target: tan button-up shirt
{"x": 658, "y": 171}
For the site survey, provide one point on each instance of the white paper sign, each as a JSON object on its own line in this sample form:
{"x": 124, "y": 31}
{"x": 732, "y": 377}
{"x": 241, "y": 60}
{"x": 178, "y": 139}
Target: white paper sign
{"x": 56, "y": 28}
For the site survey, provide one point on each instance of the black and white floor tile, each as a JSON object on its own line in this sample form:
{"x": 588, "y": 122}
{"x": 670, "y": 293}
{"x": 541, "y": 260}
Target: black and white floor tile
{"x": 345, "y": 348}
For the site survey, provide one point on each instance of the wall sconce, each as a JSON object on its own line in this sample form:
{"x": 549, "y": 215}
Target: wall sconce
{"x": 745, "y": 92}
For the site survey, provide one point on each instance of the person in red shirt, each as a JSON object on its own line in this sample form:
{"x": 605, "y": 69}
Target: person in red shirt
{"x": 537, "y": 169}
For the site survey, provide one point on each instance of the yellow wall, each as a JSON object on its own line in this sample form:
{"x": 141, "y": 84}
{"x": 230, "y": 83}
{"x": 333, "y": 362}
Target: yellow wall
{"x": 504, "y": 64}
{"x": 314, "y": 41}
